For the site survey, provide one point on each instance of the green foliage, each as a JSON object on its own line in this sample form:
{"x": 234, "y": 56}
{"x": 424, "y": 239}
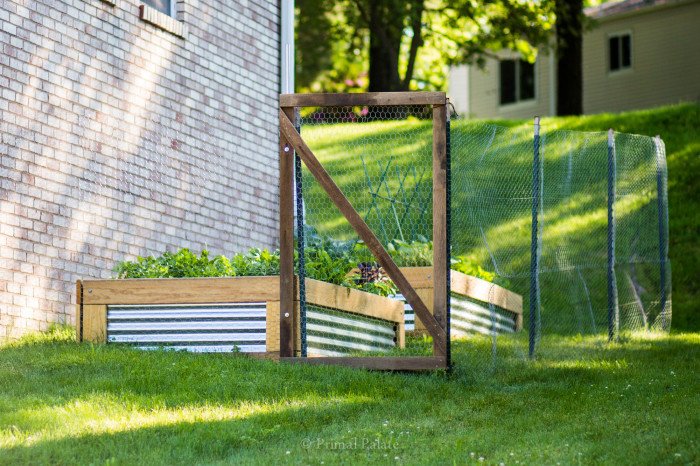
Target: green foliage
{"x": 411, "y": 254}
{"x": 332, "y": 261}
{"x": 468, "y": 267}
{"x": 178, "y": 265}
{"x": 55, "y": 334}
{"x": 325, "y": 259}
{"x": 255, "y": 263}
{"x": 185, "y": 263}
{"x": 418, "y": 39}
{"x": 327, "y": 267}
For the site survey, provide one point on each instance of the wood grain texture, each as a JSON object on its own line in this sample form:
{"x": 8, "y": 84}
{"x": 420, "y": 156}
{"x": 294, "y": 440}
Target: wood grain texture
{"x": 272, "y": 326}
{"x": 286, "y": 283}
{"x": 481, "y": 290}
{"x": 182, "y": 290}
{"x": 78, "y": 311}
{"x": 363, "y": 231}
{"x": 401, "y": 334}
{"x": 472, "y": 287}
{"x": 95, "y": 323}
{"x": 412, "y": 363}
{"x": 362, "y": 99}
{"x": 420, "y": 277}
{"x": 440, "y": 253}
{"x": 427, "y": 295}
{"x": 353, "y": 301}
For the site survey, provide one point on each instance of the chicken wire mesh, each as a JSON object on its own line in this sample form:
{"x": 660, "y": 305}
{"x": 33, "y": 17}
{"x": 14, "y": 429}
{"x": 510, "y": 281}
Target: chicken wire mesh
{"x": 381, "y": 158}
{"x": 572, "y": 241}
{"x": 574, "y": 222}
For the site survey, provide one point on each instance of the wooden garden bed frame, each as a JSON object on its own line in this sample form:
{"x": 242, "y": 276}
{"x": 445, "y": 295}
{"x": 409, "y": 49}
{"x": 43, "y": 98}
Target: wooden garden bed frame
{"x": 94, "y": 297}
{"x": 291, "y": 142}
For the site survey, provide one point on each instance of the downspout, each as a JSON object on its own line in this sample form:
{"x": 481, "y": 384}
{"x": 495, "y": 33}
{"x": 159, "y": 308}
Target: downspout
{"x": 552, "y": 84}
{"x": 287, "y": 47}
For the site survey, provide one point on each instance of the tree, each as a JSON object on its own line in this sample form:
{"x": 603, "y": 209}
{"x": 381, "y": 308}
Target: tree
{"x": 386, "y": 21}
{"x": 569, "y": 45}
{"x": 408, "y": 43}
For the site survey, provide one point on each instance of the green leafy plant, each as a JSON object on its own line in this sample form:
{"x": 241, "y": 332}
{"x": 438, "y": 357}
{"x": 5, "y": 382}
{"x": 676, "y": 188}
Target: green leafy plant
{"x": 256, "y": 262}
{"x": 326, "y": 259}
{"x": 181, "y": 264}
{"x": 468, "y": 267}
{"x": 411, "y": 254}
{"x": 383, "y": 287}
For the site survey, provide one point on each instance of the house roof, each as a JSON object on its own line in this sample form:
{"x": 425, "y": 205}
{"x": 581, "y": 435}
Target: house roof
{"x": 625, "y": 7}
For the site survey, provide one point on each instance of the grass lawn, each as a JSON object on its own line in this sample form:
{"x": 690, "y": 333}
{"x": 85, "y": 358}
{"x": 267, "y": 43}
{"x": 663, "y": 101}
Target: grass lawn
{"x": 585, "y": 403}
{"x": 366, "y": 150}
{"x": 581, "y": 401}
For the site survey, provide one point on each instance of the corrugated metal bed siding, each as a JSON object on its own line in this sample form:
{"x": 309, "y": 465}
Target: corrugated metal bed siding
{"x": 191, "y": 327}
{"x": 332, "y": 333}
{"x": 470, "y": 316}
{"x": 467, "y": 316}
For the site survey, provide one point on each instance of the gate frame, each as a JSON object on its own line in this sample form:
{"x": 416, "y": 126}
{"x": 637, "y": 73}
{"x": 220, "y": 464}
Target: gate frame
{"x": 291, "y": 142}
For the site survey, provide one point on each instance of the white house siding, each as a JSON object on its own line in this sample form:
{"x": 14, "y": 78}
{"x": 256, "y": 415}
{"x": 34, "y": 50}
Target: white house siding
{"x": 120, "y": 139}
{"x": 665, "y": 67}
{"x": 478, "y": 97}
{"x": 458, "y": 90}
{"x": 665, "y": 60}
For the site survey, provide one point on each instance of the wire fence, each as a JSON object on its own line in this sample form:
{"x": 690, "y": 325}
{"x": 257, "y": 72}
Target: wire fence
{"x": 553, "y": 233}
{"x": 381, "y": 158}
{"x": 574, "y": 222}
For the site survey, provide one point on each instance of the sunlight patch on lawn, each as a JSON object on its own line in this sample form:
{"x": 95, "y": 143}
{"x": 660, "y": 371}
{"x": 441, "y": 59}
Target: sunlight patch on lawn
{"x": 102, "y": 413}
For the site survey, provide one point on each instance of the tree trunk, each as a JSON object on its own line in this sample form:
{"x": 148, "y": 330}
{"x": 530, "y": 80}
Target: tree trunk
{"x": 385, "y": 30}
{"x": 569, "y": 28}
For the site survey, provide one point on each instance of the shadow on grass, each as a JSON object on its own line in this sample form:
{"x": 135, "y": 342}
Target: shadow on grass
{"x": 84, "y": 403}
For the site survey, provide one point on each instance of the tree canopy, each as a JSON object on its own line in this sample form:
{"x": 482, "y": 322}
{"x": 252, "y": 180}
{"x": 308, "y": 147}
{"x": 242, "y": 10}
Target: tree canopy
{"x": 395, "y": 45}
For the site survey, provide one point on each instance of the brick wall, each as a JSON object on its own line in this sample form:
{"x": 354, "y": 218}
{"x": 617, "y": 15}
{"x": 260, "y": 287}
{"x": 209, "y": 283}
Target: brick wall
{"x": 119, "y": 138}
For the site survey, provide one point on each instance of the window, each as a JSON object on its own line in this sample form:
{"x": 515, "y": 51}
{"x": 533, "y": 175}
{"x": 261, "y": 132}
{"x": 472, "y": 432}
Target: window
{"x": 164, "y": 6}
{"x": 620, "y": 51}
{"x": 162, "y": 14}
{"x": 517, "y": 81}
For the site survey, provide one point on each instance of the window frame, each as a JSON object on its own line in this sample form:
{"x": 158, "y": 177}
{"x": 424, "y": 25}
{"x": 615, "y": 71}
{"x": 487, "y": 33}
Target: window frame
{"x": 517, "y": 79}
{"x": 172, "y": 8}
{"x": 170, "y": 23}
{"x": 608, "y": 43}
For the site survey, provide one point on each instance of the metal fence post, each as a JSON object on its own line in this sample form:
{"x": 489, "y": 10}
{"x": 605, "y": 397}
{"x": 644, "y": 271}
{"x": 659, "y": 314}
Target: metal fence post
{"x": 534, "y": 246}
{"x": 660, "y": 176}
{"x": 300, "y": 239}
{"x": 613, "y": 312}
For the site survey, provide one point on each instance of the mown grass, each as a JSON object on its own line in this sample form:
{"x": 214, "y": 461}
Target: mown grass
{"x": 354, "y": 154}
{"x": 582, "y": 402}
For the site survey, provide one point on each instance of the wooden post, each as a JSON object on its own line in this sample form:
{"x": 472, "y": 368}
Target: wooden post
{"x": 79, "y": 311}
{"x": 440, "y": 260}
{"x": 287, "y": 343}
{"x": 95, "y": 323}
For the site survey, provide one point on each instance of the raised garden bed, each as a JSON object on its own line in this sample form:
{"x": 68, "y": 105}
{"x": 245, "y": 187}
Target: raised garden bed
{"x": 476, "y": 306}
{"x": 234, "y": 314}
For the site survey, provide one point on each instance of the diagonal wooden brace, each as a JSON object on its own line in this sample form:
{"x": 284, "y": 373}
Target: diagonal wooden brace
{"x": 375, "y": 246}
